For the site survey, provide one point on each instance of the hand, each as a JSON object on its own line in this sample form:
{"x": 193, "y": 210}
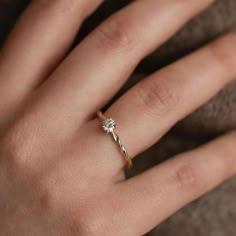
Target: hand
{"x": 60, "y": 174}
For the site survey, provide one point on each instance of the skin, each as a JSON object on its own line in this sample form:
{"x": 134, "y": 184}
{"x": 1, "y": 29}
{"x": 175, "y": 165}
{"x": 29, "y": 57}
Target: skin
{"x": 59, "y": 173}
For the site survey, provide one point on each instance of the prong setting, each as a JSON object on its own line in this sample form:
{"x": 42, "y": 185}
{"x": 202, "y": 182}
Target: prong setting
{"x": 109, "y": 125}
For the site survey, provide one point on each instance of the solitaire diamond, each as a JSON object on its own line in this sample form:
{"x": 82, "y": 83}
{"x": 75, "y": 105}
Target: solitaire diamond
{"x": 109, "y": 125}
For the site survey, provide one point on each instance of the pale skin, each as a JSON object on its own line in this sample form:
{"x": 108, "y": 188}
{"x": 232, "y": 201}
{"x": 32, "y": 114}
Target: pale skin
{"x": 60, "y": 174}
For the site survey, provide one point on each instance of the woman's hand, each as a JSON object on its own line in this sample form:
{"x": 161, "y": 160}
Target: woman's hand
{"x": 59, "y": 173}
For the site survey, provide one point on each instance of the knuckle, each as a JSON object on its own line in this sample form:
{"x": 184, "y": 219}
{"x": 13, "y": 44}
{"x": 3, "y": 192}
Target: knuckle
{"x": 98, "y": 218}
{"x": 229, "y": 156}
{"x": 95, "y": 225}
{"x": 48, "y": 194}
{"x": 222, "y": 52}
{"x": 115, "y": 33}
{"x": 18, "y": 149}
{"x": 157, "y": 96}
{"x": 185, "y": 177}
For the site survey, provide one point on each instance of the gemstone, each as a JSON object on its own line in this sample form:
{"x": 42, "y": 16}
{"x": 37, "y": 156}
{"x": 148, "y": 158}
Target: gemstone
{"x": 109, "y": 125}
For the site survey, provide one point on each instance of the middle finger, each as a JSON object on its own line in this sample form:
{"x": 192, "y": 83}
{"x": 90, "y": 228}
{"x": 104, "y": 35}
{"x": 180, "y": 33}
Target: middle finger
{"x": 154, "y": 105}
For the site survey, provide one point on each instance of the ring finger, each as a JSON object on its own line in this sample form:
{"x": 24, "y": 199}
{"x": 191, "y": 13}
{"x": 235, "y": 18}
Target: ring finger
{"x": 154, "y": 105}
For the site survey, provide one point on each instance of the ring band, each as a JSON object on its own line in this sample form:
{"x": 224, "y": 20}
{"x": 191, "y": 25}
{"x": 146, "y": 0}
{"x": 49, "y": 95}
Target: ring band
{"x": 109, "y": 125}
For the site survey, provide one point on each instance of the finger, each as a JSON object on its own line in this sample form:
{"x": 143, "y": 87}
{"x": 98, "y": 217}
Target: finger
{"x": 154, "y": 105}
{"x": 151, "y": 197}
{"x": 37, "y": 44}
{"x": 100, "y": 64}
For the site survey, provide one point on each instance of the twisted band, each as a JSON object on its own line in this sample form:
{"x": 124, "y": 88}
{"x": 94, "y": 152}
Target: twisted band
{"x": 109, "y": 125}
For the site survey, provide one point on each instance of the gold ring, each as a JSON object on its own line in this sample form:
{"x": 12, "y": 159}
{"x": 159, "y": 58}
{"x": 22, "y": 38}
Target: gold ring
{"x": 109, "y": 126}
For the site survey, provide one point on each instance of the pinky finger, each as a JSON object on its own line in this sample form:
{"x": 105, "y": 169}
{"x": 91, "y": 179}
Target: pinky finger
{"x": 154, "y": 195}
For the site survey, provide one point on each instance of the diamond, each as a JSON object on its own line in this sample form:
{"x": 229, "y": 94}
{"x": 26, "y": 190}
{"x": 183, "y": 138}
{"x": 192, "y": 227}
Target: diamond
{"x": 109, "y": 125}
